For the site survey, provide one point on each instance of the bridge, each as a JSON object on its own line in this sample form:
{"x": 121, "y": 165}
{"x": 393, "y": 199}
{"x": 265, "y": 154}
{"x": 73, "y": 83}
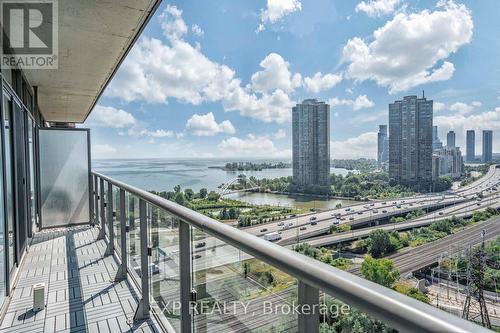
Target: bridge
{"x": 225, "y": 189}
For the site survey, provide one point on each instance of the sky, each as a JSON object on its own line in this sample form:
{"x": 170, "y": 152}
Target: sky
{"x": 218, "y": 78}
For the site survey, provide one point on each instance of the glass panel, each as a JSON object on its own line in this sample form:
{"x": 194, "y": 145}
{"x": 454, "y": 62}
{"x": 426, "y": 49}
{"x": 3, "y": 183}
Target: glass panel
{"x": 134, "y": 245}
{"x": 31, "y": 166}
{"x": 64, "y": 177}
{"x": 237, "y": 292}
{"x": 116, "y": 222}
{"x": 2, "y": 237}
{"x": 164, "y": 267}
{"x": 9, "y": 173}
{"x": 106, "y": 209}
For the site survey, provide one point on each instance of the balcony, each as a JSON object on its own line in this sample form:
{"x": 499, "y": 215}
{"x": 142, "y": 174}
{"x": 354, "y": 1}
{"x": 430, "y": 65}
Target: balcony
{"x": 200, "y": 276}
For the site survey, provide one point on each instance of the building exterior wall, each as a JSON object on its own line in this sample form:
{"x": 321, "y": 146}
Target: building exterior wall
{"x": 448, "y": 162}
{"x": 382, "y": 146}
{"x": 487, "y": 146}
{"x": 311, "y": 143}
{"x": 470, "y": 146}
{"x": 450, "y": 139}
{"x": 410, "y": 140}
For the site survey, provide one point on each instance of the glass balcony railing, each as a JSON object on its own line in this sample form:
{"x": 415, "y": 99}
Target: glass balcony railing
{"x": 196, "y": 274}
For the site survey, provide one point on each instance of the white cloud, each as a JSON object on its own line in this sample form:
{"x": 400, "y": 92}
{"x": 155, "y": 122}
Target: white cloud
{"x": 159, "y": 133}
{"x": 458, "y": 107}
{"x": 375, "y": 8}
{"x": 438, "y": 106}
{"x": 321, "y": 82}
{"x": 275, "y": 75}
{"x": 197, "y": 30}
{"x": 364, "y": 145}
{"x": 461, "y": 107}
{"x": 108, "y": 116}
{"x": 103, "y": 150}
{"x": 252, "y": 145}
{"x": 155, "y": 71}
{"x": 172, "y": 23}
{"x": 361, "y": 102}
{"x": 280, "y": 134}
{"x": 388, "y": 59}
{"x": 205, "y": 125}
{"x": 276, "y": 10}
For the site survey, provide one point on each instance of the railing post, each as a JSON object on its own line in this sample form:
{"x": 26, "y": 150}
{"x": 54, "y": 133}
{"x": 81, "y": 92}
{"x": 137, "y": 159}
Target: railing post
{"x": 308, "y": 319}
{"x": 96, "y": 202}
{"x": 142, "y": 311}
{"x": 110, "y": 249}
{"x": 185, "y": 275}
{"x": 102, "y": 232}
{"x": 121, "y": 274}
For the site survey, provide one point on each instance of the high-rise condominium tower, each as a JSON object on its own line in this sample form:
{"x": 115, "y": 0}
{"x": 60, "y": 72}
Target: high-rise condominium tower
{"x": 450, "y": 139}
{"x": 383, "y": 145}
{"x": 470, "y": 153}
{"x": 487, "y": 146}
{"x": 311, "y": 143}
{"x": 436, "y": 143}
{"x": 410, "y": 141}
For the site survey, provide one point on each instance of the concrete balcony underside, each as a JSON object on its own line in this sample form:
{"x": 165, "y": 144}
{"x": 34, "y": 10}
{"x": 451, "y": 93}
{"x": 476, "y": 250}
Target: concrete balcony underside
{"x": 79, "y": 296}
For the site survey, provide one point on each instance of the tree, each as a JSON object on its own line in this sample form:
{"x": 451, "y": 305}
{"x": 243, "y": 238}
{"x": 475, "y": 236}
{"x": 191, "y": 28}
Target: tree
{"x": 188, "y": 193}
{"x": 381, "y": 271}
{"x": 379, "y": 243}
{"x": 203, "y": 193}
{"x": 177, "y": 188}
{"x": 213, "y": 196}
{"x": 179, "y": 198}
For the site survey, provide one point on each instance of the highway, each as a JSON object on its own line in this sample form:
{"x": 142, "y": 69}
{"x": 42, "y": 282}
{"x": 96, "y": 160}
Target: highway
{"x": 465, "y": 209}
{"x": 364, "y": 213}
{"x": 414, "y": 259}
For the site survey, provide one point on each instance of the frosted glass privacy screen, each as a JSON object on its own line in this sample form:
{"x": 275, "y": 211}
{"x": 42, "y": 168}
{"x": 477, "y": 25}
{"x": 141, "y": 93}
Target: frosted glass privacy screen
{"x": 64, "y": 176}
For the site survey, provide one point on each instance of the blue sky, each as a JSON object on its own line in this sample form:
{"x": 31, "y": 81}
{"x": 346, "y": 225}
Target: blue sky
{"x": 218, "y": 78}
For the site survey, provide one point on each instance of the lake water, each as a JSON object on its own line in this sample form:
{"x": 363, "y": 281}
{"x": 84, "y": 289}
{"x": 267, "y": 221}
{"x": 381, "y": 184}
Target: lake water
{"x": 164, "y": 174}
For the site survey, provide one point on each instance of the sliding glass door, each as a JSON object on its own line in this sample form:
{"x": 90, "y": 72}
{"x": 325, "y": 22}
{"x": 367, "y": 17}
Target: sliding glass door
{"x": 9, "y": 180}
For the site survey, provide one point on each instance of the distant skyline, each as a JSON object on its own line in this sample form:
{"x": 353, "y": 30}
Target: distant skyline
{"x": 219, "y": 78}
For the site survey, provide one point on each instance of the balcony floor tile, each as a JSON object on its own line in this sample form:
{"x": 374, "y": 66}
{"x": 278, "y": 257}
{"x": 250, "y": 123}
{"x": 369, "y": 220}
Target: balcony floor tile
{"x": 79, "y": 296}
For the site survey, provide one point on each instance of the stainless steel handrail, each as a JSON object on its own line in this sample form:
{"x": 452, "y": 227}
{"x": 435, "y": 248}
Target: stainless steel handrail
{"x": 399, "y": 311}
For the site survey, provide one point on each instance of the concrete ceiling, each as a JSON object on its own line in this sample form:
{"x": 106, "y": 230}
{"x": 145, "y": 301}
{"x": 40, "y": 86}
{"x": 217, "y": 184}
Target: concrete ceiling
{"x": 94, "y": 38}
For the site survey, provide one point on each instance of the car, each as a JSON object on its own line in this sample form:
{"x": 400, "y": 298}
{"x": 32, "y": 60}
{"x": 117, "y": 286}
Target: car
{"x": 303, "y": 228}
{"x": 290, "y": 224}
{"x": 314, "y": 218}
{"x": 293, "y": 215}
{"x": 197, "y": 256}
{"x": 440, "y": 213}
{"x": 375, "y": 211}
{"x": 335, "y": 222}
{"x": 351, "y": 218}
{"x": 372, "y": 204}
{"x": 314, "y": 222}
{"x": 479, "y": 204}
{"x": 359, "y": 213}
{"x": 281, "y": 223}
{"x": 347, "y": 209}
{"x": 263, "y": 230}
{"x": 398, "y": 206}
{"x": 411, "y": 204}
{"x": 384, "y": 211}
{"x": 342, "y": 218}
{"x": 272, "y": 236}
{"x": 200, "y": 244}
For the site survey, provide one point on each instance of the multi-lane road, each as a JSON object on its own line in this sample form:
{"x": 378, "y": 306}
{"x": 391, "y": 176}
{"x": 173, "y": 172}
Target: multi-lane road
{"x": 300, "y": 227}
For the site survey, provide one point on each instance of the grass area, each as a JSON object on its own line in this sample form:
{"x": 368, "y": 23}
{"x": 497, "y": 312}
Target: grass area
{"x": 270, "y": 278}
{"x": 324, "y": 255}
{"x": 381, "y": 243}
